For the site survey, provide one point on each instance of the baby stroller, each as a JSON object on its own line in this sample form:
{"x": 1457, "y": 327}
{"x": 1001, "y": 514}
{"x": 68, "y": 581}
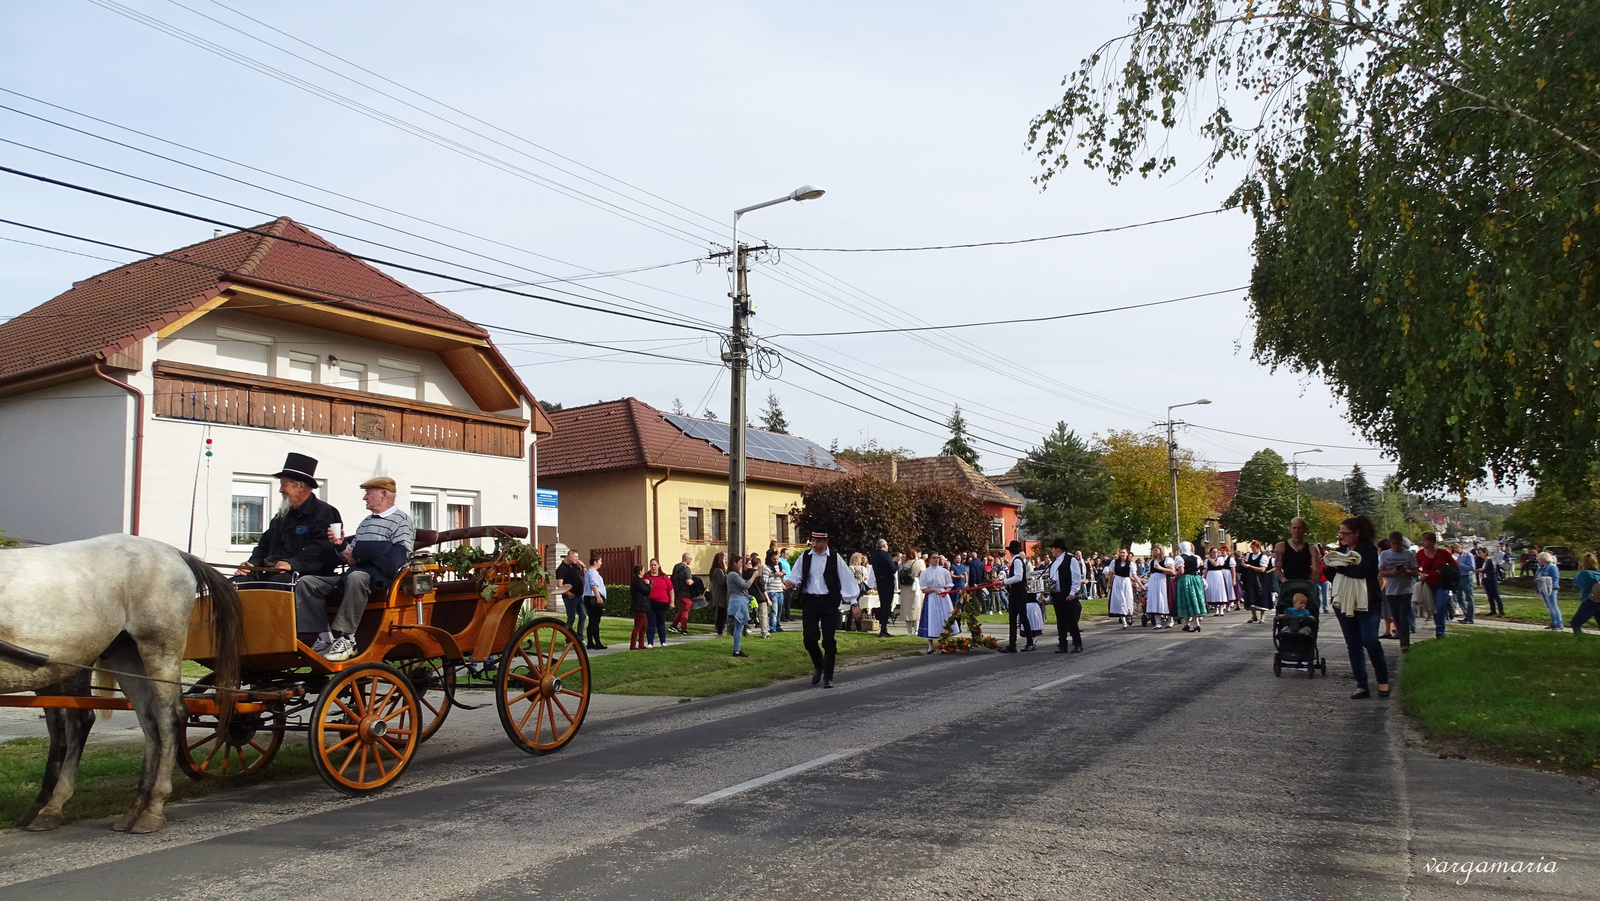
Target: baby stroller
{"x": 1295, "y": 637}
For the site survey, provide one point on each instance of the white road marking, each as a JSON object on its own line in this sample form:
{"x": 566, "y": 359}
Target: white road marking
{"x": 772, "y": 777}
{"x": 1057, "y": 682}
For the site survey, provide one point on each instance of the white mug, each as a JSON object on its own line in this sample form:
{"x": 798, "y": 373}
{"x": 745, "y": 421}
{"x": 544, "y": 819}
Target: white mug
{"x": 338, "y": 530}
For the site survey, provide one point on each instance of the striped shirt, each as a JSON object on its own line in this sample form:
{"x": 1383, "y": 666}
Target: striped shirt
{"x": 392, "y": 526}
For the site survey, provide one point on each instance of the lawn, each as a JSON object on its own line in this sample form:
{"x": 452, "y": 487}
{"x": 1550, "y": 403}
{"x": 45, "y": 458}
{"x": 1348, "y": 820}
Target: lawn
{"x": 1509, "y": 694}
{"x": 109, "y": 776}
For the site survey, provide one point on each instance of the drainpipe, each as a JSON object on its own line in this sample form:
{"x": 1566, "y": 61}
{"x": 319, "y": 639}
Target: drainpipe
{"x": 533, "y": 496}
{"x": 655, "y": 515}
{"x": 138, "y": 442}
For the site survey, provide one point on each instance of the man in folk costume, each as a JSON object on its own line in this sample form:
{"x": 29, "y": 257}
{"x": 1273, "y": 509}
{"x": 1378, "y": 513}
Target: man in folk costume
{"x": 824, "y": 582}
{"x": 1067, "y": 571}
{"x": 1016, "y": 583}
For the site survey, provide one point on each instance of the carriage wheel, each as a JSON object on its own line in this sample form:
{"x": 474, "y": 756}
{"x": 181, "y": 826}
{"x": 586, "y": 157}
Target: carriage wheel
{"x": 434, "y": 681}
{"x": 364, "y": 729}
{"x": 246, "y": 747}
{"x": 542, "y": 687}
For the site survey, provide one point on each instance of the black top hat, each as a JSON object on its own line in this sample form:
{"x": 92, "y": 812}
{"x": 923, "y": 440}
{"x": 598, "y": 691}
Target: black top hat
{"x": 299, "y": 467}
{"x": 1059, "y": 544}
{"x": 1014, "y": 547}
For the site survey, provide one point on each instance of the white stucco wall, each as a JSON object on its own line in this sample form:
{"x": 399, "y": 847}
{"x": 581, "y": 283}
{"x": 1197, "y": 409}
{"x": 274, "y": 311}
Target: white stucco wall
{"x": 65, "y": 455}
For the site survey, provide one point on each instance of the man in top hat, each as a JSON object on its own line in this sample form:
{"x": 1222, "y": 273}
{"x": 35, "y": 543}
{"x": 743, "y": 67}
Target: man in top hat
{"x": 1067, "y": 571}
{"x": 824, "y": 581}
{"x": 375, "y": 553}
{"x": 296, "y": 541}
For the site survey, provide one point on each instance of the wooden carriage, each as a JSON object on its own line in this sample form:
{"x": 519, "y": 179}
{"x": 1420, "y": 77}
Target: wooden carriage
{"x": 366, "y": 717}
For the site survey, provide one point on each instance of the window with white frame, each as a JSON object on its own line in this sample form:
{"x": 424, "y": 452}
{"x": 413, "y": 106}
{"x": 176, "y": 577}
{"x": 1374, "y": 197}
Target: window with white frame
{"x": 301, "y": 367}
{"x": 398, "y": 379}
{"x": 350, "y": 376}
{"x": 250, "y": 510}
{"x": 424, "y": 510}
{"x": 460, "y": 511}
{"x": 243, "y": 351}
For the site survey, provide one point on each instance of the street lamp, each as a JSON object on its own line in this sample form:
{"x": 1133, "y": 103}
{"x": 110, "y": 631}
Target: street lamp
{"x": 1295, "y": 458}
{"x": 1172, "y": 462}
{"x": 738, "y": 360}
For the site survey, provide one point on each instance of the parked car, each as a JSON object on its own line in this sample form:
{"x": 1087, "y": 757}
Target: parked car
{"x": 1563, "y": 555}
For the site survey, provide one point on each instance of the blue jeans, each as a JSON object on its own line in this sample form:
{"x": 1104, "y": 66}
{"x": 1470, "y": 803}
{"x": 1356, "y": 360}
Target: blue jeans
{"x": 1322, "y": 590}
{"x": 657, "y": 625}
{"x": 738, "y": 618}
{"x": 775, "y": 612}
{"x": 1441, "y": 610}
{"x": 1361, "y": 637}
{"x": 1553, "y": 606}
{"x": 1464, "y": 597}
{"x": 1587, "y": 610}
{"x": 576, "y": 613}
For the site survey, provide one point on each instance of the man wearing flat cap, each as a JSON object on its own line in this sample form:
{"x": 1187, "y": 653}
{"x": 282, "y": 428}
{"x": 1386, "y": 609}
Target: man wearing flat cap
{"x": 375, "y": 553}
{"x": 825, "y": 583}
{"x": 296, "y": 541}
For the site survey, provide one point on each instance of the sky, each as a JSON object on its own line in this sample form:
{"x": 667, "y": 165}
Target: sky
{"x": 562, "y": 145}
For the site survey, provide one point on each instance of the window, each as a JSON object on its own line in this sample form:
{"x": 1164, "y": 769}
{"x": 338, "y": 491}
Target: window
{"x": 248, "y": 517}
{"x": 244, "y": 351}
{"x": 781, "y": 531}
{"x": 719, "y": 525}
{"x": 997, "y": 532}
{"x": 694, "y": 520}
{"x": 459, "y": 512}
{"x": 352, "y": 376}
{"x": 422, "y": 512}
{"x": 398, "y": 379}
{"x": 301, "y": 367}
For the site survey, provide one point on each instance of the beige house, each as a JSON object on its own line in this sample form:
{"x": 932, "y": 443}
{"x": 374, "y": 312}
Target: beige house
{"x": 636, "y": 483}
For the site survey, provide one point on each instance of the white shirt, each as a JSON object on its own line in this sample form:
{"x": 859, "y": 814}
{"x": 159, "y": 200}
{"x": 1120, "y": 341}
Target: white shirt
{"x": 848, "y": 589}
{"x": 1017, "y": 571}
{"x": 935, "y": 578}
{"x": 1061, "y": 571}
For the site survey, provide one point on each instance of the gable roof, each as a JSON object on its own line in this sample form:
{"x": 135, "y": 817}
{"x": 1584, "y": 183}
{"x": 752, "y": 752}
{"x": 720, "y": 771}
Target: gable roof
{"x": 102, "y": 315}
{"x": 629, "y": 433}
{"x": 1229, "y": 483}
{"x": 946, "y": 469}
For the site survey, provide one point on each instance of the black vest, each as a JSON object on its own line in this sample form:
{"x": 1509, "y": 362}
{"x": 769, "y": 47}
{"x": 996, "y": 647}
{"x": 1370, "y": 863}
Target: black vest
{"x": 830, "y": 576}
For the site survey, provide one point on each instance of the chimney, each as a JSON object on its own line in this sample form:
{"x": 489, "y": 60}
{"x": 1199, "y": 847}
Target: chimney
{"x": 894, "y": 469}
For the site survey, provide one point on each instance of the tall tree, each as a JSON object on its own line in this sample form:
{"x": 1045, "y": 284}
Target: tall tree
{"x": 1322, "y": 520}
{"x": 958, "y": 444}
{"x": 948, "y": 520}
{"x": 1141, "y": 492}
{"x": 1263, "y": 504}
{"x": 1421, "y": 175}
{"x": 871, "y": 452}
{"x": 1068, "y": 491}
{"x": 856, "y": 512}
{"x": 1360, "y": 499}
{"x": 772, "y": 416}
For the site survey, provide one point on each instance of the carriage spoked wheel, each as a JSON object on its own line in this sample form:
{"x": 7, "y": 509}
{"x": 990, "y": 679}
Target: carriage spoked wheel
{"x": 364, "y": 729}
{"x": 434, "y": 681}
{"x": 245, "y": 747}
{"x": 542, "y": 686}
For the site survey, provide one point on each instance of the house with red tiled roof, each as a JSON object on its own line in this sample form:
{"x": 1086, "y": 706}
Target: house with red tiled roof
{"x": 949, "y": 469}
{"x": 637, "y": 483}
{"x": 157, "y": 398}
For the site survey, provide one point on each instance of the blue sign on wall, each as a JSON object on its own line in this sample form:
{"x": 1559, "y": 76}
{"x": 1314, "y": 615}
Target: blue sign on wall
{"x": 549, "y": 507}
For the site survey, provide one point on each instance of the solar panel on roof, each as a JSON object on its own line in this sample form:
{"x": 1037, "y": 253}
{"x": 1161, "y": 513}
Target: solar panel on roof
{"x": 759, "y": 444}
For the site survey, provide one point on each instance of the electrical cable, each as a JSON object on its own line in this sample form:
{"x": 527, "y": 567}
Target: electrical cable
{"x": 1095, "y": 231}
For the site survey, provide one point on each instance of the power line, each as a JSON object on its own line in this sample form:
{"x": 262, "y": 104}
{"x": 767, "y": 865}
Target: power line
{"x": 1095, "y": 231}
{"x": 1284, "y": 440}
{"x": 1029, "y": 321}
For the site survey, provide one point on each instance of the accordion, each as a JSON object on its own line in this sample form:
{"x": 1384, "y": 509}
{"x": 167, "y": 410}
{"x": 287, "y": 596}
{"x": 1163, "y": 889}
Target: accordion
{"x": 1041, "y": 583}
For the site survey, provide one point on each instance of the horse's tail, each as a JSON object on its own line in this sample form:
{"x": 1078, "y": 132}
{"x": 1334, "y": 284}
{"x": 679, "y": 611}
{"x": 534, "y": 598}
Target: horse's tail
{"x": 105, "y": 686}
{"x": 227, "y": 630}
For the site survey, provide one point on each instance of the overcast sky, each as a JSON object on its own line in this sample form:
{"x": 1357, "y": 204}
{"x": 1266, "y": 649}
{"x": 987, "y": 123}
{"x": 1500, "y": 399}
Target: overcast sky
{"x": 631, "y": 133}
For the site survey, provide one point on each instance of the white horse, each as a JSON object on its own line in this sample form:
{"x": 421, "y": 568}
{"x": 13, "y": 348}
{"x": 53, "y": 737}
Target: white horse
{"x": 122, "y": 603}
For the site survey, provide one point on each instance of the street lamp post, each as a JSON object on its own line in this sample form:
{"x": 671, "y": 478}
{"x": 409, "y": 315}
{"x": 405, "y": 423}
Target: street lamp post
{"x": 1172, "y": 462}
{"x": 738, "y": 360}
{"x": 1295, "y": 457}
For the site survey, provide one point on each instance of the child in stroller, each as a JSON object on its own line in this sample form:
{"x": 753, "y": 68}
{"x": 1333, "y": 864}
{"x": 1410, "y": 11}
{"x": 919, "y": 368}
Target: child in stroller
{"x": 1294, "y": 630}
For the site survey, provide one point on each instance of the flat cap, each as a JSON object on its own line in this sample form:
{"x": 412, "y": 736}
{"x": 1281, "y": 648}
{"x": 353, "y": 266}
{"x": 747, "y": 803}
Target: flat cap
{"x": 384, "y": 482}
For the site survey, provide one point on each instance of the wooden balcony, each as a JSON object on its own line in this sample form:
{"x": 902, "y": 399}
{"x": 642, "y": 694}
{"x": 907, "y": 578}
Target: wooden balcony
{"x": 203, "y": 394}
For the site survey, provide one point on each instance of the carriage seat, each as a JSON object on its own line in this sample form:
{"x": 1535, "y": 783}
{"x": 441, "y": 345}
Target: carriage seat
{"x": 428, "y": 537}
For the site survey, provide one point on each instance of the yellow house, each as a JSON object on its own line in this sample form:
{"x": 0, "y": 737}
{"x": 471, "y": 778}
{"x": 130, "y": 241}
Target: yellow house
{"x": 637, "y": 483}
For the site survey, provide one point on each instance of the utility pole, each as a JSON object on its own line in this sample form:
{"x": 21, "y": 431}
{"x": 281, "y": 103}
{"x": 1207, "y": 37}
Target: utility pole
{"x": 738, "y": 359}
{"x": 1295, "y": 459}
{"x": 1172, "y": 463}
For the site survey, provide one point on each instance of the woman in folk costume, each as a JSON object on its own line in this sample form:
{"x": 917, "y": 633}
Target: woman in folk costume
{"x": 1191, "y": 601}
{"x": 1232, "y": 560}
{"x": 1120, "y": 598}
{"x": 1157, "y": 605}
{"x": 935, "y": 584}
{"x": 1255, "y": 578}
{"x": 1217, "y": 579}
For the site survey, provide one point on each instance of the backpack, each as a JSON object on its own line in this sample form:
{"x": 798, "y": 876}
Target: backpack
{"x": 1449, "y": 572}
{"x": 905, "y": 575}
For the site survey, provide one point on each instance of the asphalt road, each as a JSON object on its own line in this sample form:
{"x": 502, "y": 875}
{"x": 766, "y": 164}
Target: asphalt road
{"x": 1155, "y": 765}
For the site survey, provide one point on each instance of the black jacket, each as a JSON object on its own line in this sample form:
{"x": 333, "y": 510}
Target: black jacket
{"x": 884, "y": 568}
{"x": 300, "y": 536}
{"x": 640, "y": 590}
{"x": 685, "y": 583}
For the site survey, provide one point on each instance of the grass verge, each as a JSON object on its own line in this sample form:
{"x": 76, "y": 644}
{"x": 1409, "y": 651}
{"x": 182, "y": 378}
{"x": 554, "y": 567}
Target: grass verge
{"x": 705, "y": 668}
{"x": 1528, "y": 697}
{"x": 108, "y": 778}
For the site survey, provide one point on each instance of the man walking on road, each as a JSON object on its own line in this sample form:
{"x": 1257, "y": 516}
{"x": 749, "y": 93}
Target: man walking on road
{"x": 883, "y": 571}
{"x": 1067, "y": 572}
{"x": 825, "y": 582}
{"x": 1016, "y": 593}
